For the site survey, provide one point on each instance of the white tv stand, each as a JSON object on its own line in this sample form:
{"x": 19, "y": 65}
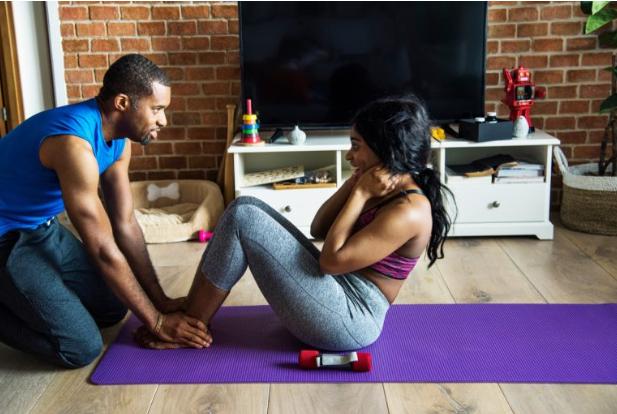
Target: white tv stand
{"x": 484, "y": 209}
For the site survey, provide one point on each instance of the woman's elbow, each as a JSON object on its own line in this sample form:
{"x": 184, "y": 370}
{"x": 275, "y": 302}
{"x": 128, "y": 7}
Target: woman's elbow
{"x": 329, "y": 266}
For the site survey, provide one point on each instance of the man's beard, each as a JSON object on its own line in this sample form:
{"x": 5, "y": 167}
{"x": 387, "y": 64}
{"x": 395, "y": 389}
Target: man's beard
{"x": 145, "y": 140}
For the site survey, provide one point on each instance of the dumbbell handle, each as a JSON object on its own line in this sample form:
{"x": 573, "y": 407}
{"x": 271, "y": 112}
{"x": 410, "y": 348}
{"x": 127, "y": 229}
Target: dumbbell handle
{"x": 325, "y": 360}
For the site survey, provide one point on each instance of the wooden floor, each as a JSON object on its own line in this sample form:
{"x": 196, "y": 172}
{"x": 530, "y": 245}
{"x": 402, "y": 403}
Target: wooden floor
{"x": 572, "y": 268}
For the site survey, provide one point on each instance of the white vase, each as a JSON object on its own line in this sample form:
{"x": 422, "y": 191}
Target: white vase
{"x": 521, "y": 127}
{"x": 296, "y": 136}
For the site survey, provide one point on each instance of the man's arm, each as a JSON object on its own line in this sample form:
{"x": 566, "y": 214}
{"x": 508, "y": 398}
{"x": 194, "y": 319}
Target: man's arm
{"x": 74, "y": 163}
{"x": 127, "y": 233}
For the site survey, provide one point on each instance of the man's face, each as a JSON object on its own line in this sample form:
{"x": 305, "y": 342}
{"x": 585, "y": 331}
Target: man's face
{"x": 149, "y": 117}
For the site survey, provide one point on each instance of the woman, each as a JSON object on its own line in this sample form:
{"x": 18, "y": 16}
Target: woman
{"x": 375, "y": 227}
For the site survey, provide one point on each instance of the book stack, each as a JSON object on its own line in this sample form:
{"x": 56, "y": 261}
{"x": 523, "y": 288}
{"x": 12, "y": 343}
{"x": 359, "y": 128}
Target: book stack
{"x": 520, "y": 172}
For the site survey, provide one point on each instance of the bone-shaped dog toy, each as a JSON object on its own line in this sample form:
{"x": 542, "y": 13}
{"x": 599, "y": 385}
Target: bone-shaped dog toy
{"x": 171, "y": 191}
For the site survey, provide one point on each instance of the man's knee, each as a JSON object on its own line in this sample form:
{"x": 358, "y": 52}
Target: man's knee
{"x": 81, "y": 352}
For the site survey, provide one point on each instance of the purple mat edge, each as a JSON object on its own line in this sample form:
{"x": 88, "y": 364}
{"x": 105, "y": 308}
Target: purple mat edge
{"x": 328, "y": 376}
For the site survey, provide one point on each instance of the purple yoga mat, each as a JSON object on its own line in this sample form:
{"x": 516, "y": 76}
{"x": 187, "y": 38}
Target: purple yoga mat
{"x": 419, "y": 343}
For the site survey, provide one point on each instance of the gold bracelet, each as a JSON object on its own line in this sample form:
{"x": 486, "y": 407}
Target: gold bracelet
{"x": 159, "y": 323}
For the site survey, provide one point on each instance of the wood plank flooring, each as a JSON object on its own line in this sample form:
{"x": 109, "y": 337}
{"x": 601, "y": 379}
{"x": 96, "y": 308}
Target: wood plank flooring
{"x": 572, "y": 268}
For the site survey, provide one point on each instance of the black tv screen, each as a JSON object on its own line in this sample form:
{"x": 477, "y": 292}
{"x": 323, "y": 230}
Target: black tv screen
{"x": 316, "y": 63}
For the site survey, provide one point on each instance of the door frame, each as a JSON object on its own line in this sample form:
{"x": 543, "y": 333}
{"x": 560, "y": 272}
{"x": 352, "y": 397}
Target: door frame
{"x": 9, "y": 67}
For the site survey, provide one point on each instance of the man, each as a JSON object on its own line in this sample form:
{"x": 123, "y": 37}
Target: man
{"x": 55, "y": 291}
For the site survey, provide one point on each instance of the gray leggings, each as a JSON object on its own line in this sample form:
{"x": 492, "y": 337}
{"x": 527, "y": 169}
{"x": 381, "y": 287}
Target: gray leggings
{"x": 338, "y": 313}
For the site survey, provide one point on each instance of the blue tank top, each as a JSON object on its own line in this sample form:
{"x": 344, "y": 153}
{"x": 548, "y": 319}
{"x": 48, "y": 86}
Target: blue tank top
{"x": 30, "y": 192}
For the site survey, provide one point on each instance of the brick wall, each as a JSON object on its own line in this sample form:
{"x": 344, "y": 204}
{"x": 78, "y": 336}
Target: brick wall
{"x": 197, "y": 43}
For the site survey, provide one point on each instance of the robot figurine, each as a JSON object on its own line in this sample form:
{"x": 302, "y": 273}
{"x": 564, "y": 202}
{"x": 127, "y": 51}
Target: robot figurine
{"x": 520, "y": 93}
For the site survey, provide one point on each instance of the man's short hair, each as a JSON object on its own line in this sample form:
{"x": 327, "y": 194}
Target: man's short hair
{"x": 132, "y": 75}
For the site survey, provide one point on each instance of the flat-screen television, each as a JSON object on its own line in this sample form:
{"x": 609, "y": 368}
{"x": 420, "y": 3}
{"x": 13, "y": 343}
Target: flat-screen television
{"x": 316, "y": 63}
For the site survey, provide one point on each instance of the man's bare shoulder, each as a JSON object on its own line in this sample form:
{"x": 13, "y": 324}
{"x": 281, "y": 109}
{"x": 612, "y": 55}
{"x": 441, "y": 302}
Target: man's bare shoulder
{"x": 61, "y": 149}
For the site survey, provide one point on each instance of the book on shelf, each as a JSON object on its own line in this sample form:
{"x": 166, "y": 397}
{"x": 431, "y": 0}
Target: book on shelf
{"x": 519, "y": 173}
{"x": 519, "y": 180}
{"x": 273, "y": 176}
{"x": 455, "y": 177}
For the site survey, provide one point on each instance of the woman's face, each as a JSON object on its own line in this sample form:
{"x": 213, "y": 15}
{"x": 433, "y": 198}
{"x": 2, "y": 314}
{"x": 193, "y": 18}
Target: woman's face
{"x": 360, "y": 156}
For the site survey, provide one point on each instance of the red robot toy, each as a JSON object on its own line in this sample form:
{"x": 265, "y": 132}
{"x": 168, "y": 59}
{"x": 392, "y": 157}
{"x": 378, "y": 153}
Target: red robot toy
{"x": 520, "y": 93}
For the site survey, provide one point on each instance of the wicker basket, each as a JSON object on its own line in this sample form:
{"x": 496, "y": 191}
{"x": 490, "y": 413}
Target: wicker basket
{"x": 589, "y": 202}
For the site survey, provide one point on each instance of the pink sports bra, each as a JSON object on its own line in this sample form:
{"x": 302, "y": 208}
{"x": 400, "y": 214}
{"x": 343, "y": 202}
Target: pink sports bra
{"x": 394, "y": 265}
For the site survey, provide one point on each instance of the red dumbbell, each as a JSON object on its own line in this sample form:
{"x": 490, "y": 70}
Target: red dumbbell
{"x": 358, "y": 361}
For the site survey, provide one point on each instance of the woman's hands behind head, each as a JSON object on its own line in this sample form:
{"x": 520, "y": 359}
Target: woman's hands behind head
{"x": 376, "y": 182}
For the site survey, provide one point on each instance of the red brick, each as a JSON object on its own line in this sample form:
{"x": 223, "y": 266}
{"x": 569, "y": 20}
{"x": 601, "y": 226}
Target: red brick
{"x": 596, "y": 59}
{"x": 143, "y": 163}
{"x": 497, "y": 31}
{"x": 70, "y": 61}
{"x": 224, "y": 10}
{"x": 136, "y": 149}
{"x": 187, "y": 148}
{"x": 67, "y": 30}
{"x": 235, "y": 88}
{"x": 158, "y": 148}
{"x": 73, "y": 91}
{"x": 531, "y": 29}
{"x": 202, "y": 104}
{"x": 104, "y": 13}
{"x": 214, "y": 118}
{"x": 233, "y": 58}
{"x": 492, "y": 79}
{"x": 172, "y": 133}
{"x": 212, "y": 27}
{"x": 228, "y": 72}
{"x": 172, "y": 162}
{"x": 545, "y": 108}
{"x": 134, "y": 44}
{"x": 193, "y": 175}
{"x": 225, "y": 42}
{"x": 592, "y": 122}
{"x": 159, "y": 59}
{"x": 211, "y": 58}
{"x": 99, "y": 74}
{"x": 560, "y": 122}
{"x": 200, "y": 73}
{"x": 73, "y": 13}
{"x": 595, "y": 136}
{"x": 214, "y": 147}
{"x": 604, "y": 75}
{"x": 560, "y": 92}
{"x": 185, "y": 89}
{"x": 548, "y": 76}
{"x": 234, "y": 26}
{"x": 186, "y": 118}
{"x": 135, "y": 12}
{"x": 105, "y": 45}
{"x": 547, "y": 45}
{"x": 595, "y": 91}
{"x": 137, "y": 176}
{"x": 581, "y": 43}
{"x": 121, "y": 29}
{"x": 175, "y": 73}
{"x": 78, "y": 76}
{"x": 177, "y": 103}
{"x": 500, "y": 62}
{"x": 572, "y": 137}
{"x": 165, "y": 43}
{"x": 523, "y": 14}
{"x": 151, "y": 28}
{"x": 183, "y": 58}
{"x": 556, "y": 12}
{"x": 513, "y": 46}
{"x": 492, "y": 46}
{"x": 497, "y": 15}
{"x": 581, "y": 75}
{"x": 195, "y": 12}
{"x": 221, "y": 103}
{"x": 574, "y": 107}
{"x": 75, "y": 45}
{"x": 90, "y": 91}
{"x": 215, "y": 88}
{"x": 166, "y": 12}
{"x": 196, "y": 43}
{"x": 586, "y": 152}
{"x": 494, "y": 94}
{"x": 182, "y": 28}
{"x": 162, "y": 175}
{"x": 93, "y": 61}
{"x": 566, "y": 28}
{"x": 202, "y": 161}
{"x": 90, "y": 29}
{"x": 201, "y": 133}
{"x": 564, "y": 60}
{"x": 533, "y": 61}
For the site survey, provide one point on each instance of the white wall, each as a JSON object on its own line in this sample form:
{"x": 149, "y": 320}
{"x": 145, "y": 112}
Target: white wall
{"x": 33, "y": 54}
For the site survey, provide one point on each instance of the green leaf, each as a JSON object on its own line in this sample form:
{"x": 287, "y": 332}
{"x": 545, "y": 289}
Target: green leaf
{"x": 611, "y": 69}
{"x": 586, "y": 7}
{"x": 609, "y": 104}
{"x": 596, "y": 6}
{"x": 598, "y": 20}
{"x": 608, "y": 39}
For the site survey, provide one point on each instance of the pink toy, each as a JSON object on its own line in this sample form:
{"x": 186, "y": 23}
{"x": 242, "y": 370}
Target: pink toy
{"x": 205, "y": 236}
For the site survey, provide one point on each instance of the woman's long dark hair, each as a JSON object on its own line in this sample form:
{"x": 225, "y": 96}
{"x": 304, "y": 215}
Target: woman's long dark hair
{"x": 398, "y": 131}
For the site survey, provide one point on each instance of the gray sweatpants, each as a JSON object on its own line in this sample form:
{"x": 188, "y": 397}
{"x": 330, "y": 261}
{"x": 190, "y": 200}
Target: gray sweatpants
{"x": 338, "y": 313}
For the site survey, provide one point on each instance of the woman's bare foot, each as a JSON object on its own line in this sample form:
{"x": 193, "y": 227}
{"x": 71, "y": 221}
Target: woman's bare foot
{"x": 147, "y": 339}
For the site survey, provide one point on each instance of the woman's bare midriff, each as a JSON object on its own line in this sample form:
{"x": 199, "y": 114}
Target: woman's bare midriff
{"x": 389, "y": 287}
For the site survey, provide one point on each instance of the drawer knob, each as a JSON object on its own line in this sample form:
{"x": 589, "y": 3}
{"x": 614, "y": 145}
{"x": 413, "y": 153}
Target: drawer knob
{"x": 495, "y": 204}
{"x": 287, "y": 209}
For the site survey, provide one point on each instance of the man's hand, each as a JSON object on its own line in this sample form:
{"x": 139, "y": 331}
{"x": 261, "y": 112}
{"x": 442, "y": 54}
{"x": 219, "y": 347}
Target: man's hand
{"x": 180, "y": 328}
